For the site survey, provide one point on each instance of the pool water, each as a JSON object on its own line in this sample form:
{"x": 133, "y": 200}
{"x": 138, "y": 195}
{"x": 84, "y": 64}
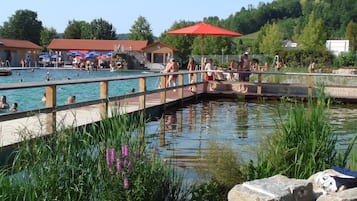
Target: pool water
{"x": 30, "y": 99}
{"x": 242, "y": 126}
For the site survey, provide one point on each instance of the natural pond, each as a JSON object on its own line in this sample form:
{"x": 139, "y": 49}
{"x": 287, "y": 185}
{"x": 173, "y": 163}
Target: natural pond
{"x": 183, "y": 136}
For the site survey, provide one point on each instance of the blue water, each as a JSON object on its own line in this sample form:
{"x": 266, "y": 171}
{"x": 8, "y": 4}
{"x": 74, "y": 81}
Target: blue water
{"x": 29, "y": 99}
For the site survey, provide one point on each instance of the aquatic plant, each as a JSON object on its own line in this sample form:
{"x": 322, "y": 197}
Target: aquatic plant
{"x": 104, "y": 161}
{"x": 302, "y": 145}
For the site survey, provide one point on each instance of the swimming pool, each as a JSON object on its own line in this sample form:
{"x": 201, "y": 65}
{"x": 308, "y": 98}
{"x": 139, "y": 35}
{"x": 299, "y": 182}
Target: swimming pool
{"x": 30, "y": 99}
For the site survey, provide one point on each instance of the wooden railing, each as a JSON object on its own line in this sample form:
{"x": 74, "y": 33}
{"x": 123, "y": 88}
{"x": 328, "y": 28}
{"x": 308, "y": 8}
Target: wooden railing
{"x": 331, "y": 83}
{"x": 104, "y": 99}
{"x": 261, "y": 80}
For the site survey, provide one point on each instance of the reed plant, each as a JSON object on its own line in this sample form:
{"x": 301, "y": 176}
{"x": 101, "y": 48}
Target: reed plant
{"x": 104, "y": 161}
{"x": 225, "y": 167}
{"x": 302, "y": 145}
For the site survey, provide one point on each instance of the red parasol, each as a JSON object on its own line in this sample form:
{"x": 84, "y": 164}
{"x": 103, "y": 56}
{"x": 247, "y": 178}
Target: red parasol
{"x": 204, "y": 29}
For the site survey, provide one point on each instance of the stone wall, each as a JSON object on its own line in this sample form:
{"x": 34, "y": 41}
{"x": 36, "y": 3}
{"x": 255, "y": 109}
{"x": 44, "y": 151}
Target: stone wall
{"x": 282, "y": 188}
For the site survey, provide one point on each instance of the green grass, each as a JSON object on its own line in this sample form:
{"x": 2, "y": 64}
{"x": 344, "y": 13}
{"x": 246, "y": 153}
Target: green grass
{"x": 108, "y": 161}
{"x": 302, "y": 145}
{"x": 252, "y": 36}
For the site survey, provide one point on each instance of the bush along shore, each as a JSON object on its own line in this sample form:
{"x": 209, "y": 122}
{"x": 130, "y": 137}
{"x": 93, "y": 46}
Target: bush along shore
{"x": 110, "y": 160}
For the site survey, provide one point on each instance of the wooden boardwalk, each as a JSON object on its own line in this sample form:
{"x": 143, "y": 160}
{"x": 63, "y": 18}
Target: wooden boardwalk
{"x": 13, "y": 131}
{"x": 13, "y": 127}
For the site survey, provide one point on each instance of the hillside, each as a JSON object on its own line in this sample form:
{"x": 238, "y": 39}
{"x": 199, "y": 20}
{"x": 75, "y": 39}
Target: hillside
{"x": 334, "y": 14}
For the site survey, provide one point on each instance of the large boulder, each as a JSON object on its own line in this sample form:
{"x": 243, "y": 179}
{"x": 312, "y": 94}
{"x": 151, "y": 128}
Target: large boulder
{"x": 276, "y": 188}
{"x": 346, "y": 195}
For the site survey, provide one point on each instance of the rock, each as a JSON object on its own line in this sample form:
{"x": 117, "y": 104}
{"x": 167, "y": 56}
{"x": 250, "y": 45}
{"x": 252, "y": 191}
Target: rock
{"x": 276, "y": 188}
{"x": 345, "y": 195}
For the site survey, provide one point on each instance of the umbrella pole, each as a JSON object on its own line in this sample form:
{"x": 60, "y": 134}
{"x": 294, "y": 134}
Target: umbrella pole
{"x": 202, "y": 51}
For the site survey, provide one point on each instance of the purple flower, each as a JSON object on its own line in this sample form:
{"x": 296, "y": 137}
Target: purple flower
{"x": 136, "y": 156}
{"x": 118, "y": 166}
{"x": 125, "y": 151}
{"x": 126, "y": 183}
{"x": 112, "y": 157}
{"x": 107, "y": 154}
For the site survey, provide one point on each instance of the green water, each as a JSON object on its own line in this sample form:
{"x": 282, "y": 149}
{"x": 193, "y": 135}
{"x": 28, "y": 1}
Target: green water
{"x": 240, "y": 125}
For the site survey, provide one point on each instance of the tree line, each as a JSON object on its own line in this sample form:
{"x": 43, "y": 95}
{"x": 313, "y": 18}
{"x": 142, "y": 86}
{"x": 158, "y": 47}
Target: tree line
{"x": 309, "y": 23}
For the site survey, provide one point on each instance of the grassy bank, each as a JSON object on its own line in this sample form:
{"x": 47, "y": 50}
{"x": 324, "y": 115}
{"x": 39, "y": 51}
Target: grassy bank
{"x": 304, "y": 142}
{"x": 108, "y": 161}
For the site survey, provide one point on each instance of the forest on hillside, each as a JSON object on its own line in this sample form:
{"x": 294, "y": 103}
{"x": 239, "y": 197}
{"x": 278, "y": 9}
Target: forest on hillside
{"x": 335, "y": 14}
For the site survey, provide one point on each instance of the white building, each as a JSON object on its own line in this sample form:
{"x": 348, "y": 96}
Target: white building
{"x": 337, "y": 46}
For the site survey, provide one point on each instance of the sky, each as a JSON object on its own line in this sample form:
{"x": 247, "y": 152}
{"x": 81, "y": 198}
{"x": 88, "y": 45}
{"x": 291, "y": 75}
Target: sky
{"x": 160, "y": 14}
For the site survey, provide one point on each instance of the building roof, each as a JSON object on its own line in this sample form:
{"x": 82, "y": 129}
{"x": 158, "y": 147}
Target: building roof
{"x": 159, "y": 44}
{"x": 97, "y": 45}
{"x": 20, "y": 44}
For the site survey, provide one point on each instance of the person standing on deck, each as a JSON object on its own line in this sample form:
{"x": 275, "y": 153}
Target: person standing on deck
{"x": 244, "y": 68}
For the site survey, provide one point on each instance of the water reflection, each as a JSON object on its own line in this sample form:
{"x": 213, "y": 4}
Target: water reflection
{"x": 242, "y": 120}
{"x": 184, "y": 134}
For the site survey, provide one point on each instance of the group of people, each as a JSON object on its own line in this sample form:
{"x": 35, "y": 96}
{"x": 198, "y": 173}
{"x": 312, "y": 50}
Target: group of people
{"x": 70, "y": 99}
{"x": 243, "y": 68}
{"x": 243, "y": 71}
{"x": 4, "y": 106}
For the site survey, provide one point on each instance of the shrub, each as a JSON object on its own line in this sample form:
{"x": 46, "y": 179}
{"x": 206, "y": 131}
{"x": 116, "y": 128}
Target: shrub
{"x": 345, "y": 60}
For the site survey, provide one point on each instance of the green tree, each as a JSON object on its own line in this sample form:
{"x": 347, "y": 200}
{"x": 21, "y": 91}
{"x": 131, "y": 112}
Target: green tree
{"x": 271, "y": 40}
{"x": 47, "y": 34}
{"x": 77, "y": 30}
{"x": 102, "y": 30}
{"x": 23, "y": 25}
{"x": 213, "y": 44}
{"x": 141, "y": 30}
{"x": 313, "y": 36}
{"x": 183, "y": 43}
{"x": 351, "y": 35}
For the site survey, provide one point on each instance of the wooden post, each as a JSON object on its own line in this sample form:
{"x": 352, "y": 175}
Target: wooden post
{"x": 259, "y": 87}
{"x": 180, "y": 83}
{"x": 163, "y": 86}
{"x": 179, "y": 121}
{"x": 205, "y": 82}
{"x": 309, "y": 85}
{"x": 142, "y": 88}
{"x": 195, "y": 80}
{"x": 51, "y": 103}
{"x": 104, "y": 94}
{"x": 162, "y": 132}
